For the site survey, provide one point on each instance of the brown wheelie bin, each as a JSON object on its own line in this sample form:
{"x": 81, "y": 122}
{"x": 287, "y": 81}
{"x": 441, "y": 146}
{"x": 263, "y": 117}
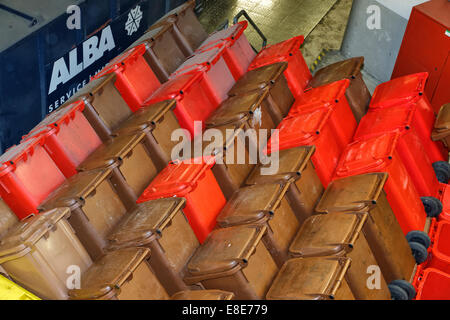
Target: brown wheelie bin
{"x": 130, "y": 160}
{"x": 95, "y": 205}
{"x": 320, "y": 278}
{"x": 340, "y": 234}
{"x": 383, "y": 233}
{"x": 120, "y": 275}
{"x": 357, "y": 94}
{"x": 202, "y": 295}
{"x": 41, "y": 252}
{"x": 295, "y": 163}
{"x": 235, "y": 260}
{"x": 264, "y": 205}
{"x": 441, "y": 131}
{"x": 7, "y": 218}
{"x": 161, "y": 226}
{"x": 280, "y": 97}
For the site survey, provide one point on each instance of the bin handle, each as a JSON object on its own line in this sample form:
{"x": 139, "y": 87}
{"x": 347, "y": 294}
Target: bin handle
{"x": 247, "y": 17}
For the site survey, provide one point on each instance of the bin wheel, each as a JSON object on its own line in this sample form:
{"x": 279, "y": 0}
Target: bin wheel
{"x": 397, "y": 293}
{"x": 433, "y": 207}
{"x": 419, "y": 252}
{"x": 420, "y": 237}
{"x": 407, "y": 286}
{"x": 442, "y": 170}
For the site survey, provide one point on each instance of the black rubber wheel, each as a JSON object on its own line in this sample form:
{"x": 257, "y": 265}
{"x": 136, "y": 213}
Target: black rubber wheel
{"x": 442, "y": 170}
{"x": 405, "y": 285}
{"x": 397, "y": 293}
{"x": 419, "y": 252}
{"x": 433, "y": 207}
{"x": 420, "y": 237}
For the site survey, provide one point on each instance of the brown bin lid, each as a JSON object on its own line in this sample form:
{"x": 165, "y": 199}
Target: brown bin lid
{"x": 202, "y": 295}
{"x": 292, "y": 162}
{"x": 258, "y": 78}
{"x": 146, "y": 117}
{"x": 225, "y": 250}
{"x": 21, "y": 239}
{"x": 75, "y": 189}
{"x": 146, "y": 220}
{"x": 341, "y": 70}
{"x": 88, "y": 92}
{"x": 230, "y": 139}
{"x": 111, "y": 152}
{"x": 443, "y": 119}
{"x": 309, "y": 279}
{"x": 253, "y": 204}
{"x": 327, "y": 234}
{"x": 109, "y": 272}
{"x": 355, "y": 193}
{"x": 237, "y": 108}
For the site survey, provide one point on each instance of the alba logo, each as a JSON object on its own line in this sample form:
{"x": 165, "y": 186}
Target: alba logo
{"x": 134, "y": 20}
{"x": 92, "y": 50}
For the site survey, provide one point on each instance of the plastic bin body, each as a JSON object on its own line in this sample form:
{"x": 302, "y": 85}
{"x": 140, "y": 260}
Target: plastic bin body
{"x": 441, "y": 128}
{"x": 434, "y": 285}
{"x": 312, "y": 279}
{"x": 331, "y": 96}
{"x": 202, "y": 295}
{"x": 272, "y": 77}
{"x": 340, "y": 234}
{"x": 161, "y": 226}
{"x": 264, "y": 205}
{"x": 135, "y": 80}
{"x": 11, "y": 291}
{"x": 27, "y": 176}
{"x": 379, "y": 154}
{"x": 311, "y": 127}
{"x": 38, "y": 252}
{"x": 238, "y": 52}
{"x": 445, "y": 200}
{"x": 297, "y": 74}
{"x": 412, "y": 147}
{"x": 216, "y": 73}
{"x": 120, "y": 275}
{"x": 68, "y": 137}
{"x": 294, "y": 164}
{"x": 8, "y": 218}
{"x": 440, "y": 248}
{"x": 194, "y": 181}
{"x": 195, "y": 99}
{"x": 236, "y": 260}
{"x": 365, "y": 193}
{"x": 357, "y": 94}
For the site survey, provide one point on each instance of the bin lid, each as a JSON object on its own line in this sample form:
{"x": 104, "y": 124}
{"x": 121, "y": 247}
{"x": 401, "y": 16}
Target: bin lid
{"x": 111, "y": 152}
{"x": 109, "y": 272}
{"x": 227, "y": 249}
{"x": 309, "y": 279}
{"x": 177, "y": 179}
{"x": 354, "y": 193}
{"x": 202, "y": 295}
{"x": 22, "y": 237}
{"x": 399, "y": 90}
{"x": 369, "y": 155}
{"x": 119, "y": 63}
{"x": 147, "y": 220}
{"x": 227, "y": 138}
{"x": 200, "y": 61}
{"x": 74, "y": 190}
{"x": 291, "y": 163}
{"x": 327, "y": 95}
{"x": 332, "y": 234}
{"x": 237, "y": 108}
{"x": 175, "y": 88}
{"x": 277, "y": 52}
{"x": 146, "y": 117}
{"x": 229, "y": 35}
{"x": 300, "y": 129}
{"x": 376, "y": 121}
{"x": 152, "y": 34}
{"x": 258, "y": 78}
{"x": 252, "y": 204}
{"x": 347, "y": 69}
{"x": 17, "y": 153}
{"x": 443, "y": 118}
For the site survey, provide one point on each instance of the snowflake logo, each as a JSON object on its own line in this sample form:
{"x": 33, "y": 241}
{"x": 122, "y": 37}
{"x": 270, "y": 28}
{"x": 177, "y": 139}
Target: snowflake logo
{"x": 134, "y": 20}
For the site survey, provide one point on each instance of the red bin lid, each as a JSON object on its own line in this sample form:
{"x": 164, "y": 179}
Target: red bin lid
{"x": 177, "y": 179}
{"x": 118, "y": 63}
{"x": 277, "y": 52}
{"x": 17, "y": 153}
{"x": 399, "y": 90}
{"x": 229, "y": 35}
{"x": 300, "y": 129}
{"x": 365, "y": 156}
